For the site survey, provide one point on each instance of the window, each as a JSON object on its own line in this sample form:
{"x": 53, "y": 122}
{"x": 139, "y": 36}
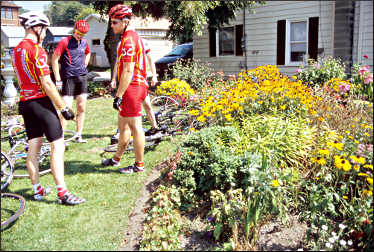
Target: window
{"x": 227, "y": 41}
{"x": 96, "y": 42}
{"x": 10, "y": 14}
{"x": 3, "y": 10}
{"x": 297, "y": 45}
{"x": 297, "y": 41}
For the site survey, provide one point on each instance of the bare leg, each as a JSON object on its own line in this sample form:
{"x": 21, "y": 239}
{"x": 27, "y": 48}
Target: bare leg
{"x": 135, "y": 124}
{"x": 57, "y": 161}
{"x": 69, "y": 102}
{"x": 81, "y": 108}
{"x": 124, "y": 136}
{"x": 32, "y": 162}
{"x": 149, "y": 111}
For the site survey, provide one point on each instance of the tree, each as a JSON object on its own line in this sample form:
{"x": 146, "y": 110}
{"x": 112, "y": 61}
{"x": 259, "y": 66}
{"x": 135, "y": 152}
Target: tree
{"x": 65, "y": 13}
{"x": 186, "y": 17}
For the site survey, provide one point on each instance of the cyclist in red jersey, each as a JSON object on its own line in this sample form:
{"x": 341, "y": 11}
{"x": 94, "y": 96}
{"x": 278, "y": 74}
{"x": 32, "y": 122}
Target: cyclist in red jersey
{"x": 147, "y": 101}
{"x": 39, "y": 99}
{"x": 132, "y": 88}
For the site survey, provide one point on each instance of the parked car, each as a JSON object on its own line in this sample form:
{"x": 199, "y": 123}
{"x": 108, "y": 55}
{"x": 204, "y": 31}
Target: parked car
{"x": 183, "y": 51}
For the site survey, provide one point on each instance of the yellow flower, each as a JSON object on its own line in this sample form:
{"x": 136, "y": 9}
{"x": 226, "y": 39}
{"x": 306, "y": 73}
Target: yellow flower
{"x": 275, "y": 183}
{"x": 367, "y": 134}
{"x": 347, "y": 131}
{"x": 356, "y": 167}
{"x": 283, "y": 107}
{"x": 339, "y": 146}
{"x": 362, "y": 174}
{"x": 368, "y": 166}
{"x": 321, "y": 118}
{"x": 345, "y": 197}
{"x": 321, "y": 161}
{"x": 361, "y": 160}
{"x": 324, "y": 152}
{"x": 260, "y": 102}
{"x": 346, "y": 165}
{"x": 369, "y": 180}
{"x": 368, "y": 192}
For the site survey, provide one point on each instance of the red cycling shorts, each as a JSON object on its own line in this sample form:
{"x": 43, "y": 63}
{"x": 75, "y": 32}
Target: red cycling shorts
{"x": 132, "y": 100}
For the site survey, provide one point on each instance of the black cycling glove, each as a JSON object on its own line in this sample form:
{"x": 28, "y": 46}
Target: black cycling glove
{"x": 117, "y": 103}
{"x": 67, "y": 113}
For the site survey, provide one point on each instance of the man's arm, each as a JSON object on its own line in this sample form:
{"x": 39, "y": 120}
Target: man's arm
{"x": 113, "y": 83}
{"x": 51, "y": 91}
{"x": 87, "y": 58}
{"x": 55, "y": 67}
{"x": 127, "y": 72}
{"x": 153, "y": 69}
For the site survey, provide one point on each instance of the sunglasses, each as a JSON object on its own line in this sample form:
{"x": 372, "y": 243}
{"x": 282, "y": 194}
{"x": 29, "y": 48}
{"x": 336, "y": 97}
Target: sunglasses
{"x": 80, "y": 33}
{"x": 115, "y": 22}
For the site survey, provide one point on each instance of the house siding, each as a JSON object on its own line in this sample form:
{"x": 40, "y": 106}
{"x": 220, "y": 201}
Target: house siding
{"x": 363, "y": 33}
{"x": 97, "y": 31}
{"x": 261, "y": 35}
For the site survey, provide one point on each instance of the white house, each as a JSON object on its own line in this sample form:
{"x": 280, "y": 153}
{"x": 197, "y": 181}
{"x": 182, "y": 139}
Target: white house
{"x": 150, "y": 29}
{"x": 287, "y": 33}
{"x": 12, "y": 35}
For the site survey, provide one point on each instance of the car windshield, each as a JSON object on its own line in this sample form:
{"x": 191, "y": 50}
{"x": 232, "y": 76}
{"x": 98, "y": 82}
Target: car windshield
{"x": 179, "y": 50}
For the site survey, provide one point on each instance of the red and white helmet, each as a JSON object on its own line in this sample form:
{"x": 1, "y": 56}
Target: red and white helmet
{"x": 120, "y": 11}
{"x": 82, "y": 26}
{"x": 33, "y": 18}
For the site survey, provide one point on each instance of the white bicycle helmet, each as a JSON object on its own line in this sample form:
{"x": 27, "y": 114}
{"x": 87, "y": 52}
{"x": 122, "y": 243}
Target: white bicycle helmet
{"x": 33, "y": 18}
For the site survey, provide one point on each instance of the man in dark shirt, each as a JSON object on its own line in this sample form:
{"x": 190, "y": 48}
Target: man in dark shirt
{"x": 74, "y": 53}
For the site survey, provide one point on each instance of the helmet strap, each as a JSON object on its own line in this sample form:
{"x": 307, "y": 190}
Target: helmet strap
{"x": 38, "y": 34}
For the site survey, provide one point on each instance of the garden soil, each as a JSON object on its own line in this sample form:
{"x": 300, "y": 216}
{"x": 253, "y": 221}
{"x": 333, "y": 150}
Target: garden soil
{"x": 272, "y": 236}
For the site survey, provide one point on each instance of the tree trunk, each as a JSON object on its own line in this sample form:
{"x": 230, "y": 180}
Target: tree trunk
{"x": 110, "y": 45}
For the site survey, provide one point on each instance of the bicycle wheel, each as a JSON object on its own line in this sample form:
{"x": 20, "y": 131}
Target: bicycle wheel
{"x": 10, "y": 201}
{"x": 69, "y": 135}
{"x": 130, "y": 147}
{"x": 164, "y": 104}
{"x": 18, "y": 155}
{"x": 181, "y": 123}
{"x": 17, "y": 133}
{"x": 7, "y": 171}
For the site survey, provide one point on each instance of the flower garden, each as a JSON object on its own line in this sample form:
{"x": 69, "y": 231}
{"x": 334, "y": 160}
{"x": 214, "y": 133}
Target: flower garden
{"x": 269, "y": 145}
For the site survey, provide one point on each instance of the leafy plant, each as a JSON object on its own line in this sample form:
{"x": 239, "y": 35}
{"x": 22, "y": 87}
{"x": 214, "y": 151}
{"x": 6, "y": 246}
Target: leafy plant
{"x": 320, "y": 71}
{"x": 362, "y": 78}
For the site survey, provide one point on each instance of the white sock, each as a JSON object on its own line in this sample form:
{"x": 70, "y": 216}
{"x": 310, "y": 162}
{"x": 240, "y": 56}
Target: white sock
{"x": 36, "y": 187}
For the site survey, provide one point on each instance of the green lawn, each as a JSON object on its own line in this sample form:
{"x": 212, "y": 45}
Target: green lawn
{"x": 98, "y": 224}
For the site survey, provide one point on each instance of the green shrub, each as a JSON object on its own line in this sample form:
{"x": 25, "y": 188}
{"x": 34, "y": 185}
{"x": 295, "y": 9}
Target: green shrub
{"x": 284, "y": 141}
{"x": 193, "y": 72}
{"x": 320, "y": 71}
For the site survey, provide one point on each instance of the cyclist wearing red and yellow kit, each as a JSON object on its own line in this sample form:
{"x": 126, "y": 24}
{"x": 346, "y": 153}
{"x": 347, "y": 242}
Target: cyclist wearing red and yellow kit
{"x": 132, "y": 88}
{"x": 38, "y": 99}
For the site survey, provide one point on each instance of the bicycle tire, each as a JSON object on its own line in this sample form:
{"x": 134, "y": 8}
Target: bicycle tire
{"x": 19, "y": 211}
{"x": 7, "y": 171}
{"x": 130, "y": 147}
{"x": 163, "y": 104}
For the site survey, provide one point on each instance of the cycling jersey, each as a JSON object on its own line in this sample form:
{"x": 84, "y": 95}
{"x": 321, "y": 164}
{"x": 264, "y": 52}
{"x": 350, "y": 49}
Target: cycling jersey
{"x": 131, "y": 49}
{"x": 30, "y": 61}
{"x": 72, "y": 56}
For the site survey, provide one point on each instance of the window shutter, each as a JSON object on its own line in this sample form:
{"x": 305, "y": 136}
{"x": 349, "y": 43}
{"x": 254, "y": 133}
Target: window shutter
{"x": 238, "y": 40}
{"x": 313, "y": 38}
{"x": 212, "y": 42}
{"x": 281, "y": 42}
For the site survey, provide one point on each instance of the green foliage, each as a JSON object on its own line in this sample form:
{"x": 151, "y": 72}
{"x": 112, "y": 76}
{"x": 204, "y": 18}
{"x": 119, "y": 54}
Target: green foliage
{"x": 285, "y": 141}
{"x": 193, "y": 72}
{"x": 65, "y": 13}
{"x": 164, "y": 224}
{"x": 320, "y": 71}
{"x": 207, "y": 165}
{"x": 84, "y": 13}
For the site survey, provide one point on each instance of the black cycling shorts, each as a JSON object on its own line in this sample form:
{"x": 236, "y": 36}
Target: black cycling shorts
{"x": 74, "y": 86}
{"x": 40, "y": 117}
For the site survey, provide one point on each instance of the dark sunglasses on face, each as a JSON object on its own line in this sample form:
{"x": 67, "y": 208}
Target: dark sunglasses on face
{"x": 114, "y": 22}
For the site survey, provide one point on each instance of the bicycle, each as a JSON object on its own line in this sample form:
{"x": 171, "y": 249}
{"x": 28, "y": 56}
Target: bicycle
{"x": 172, "y": 122}
{"x": 18, "y": 150}
{"x": 9, "y": 199}
{"x": 7, "y": 171}
{"x": 8, "y": 202}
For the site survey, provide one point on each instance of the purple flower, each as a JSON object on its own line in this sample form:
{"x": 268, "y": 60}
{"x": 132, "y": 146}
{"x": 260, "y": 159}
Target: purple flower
{"x": 344, "y": 88}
